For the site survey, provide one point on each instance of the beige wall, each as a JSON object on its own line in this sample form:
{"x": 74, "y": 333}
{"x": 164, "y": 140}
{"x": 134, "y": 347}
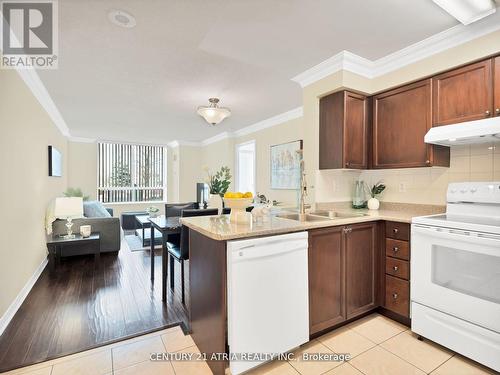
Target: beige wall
{"x": 82, "y": 170}
{"x": 190, "y": 172}
{"x": 26, "y": 189}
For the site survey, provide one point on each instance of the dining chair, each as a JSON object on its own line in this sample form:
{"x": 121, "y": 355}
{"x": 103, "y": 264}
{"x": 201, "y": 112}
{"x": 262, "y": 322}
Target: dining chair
{"x": 180, "y": 251}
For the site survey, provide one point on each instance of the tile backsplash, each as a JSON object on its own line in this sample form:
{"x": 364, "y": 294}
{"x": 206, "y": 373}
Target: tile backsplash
{"x": 416, "y": 185}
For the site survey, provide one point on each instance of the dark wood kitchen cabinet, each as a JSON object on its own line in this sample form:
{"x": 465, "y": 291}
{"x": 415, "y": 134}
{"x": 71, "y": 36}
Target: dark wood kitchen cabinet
{"x": 361, "y": 269}
{"x": 463, "y": 94}
{"x": 401, "y": 118}
{"x": 344, "y": 131}
{"x": 343, "y": 273}
{"x": 496, "y": 85}
{"x": 326, "y": 278}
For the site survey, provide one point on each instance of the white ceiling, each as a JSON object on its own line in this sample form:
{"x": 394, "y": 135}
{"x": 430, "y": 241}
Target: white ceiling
{"x": 144, "y": 84}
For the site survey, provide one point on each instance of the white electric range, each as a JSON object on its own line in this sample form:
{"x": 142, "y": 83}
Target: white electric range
{"x": 455, "y": 273}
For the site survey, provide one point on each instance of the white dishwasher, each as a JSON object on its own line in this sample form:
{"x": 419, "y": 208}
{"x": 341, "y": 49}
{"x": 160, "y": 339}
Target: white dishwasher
{"x": 268, "y": 299}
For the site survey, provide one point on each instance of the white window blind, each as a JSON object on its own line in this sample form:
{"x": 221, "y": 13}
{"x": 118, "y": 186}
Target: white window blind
{"x": 131, "y": 173}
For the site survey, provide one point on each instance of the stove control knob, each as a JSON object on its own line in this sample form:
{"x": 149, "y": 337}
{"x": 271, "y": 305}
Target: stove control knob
{"x": 463, "y": 191}
{"x": 473, "y": 190}
{"x": 453, "y": 191}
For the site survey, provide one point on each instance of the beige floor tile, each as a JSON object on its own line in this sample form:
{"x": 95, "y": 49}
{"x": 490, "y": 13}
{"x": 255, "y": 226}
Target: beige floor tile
{"x": 192, "y": 367}
{"x": 459, "y": 365}
{"x": 274, "y": 368}
{"x": 346, "y": 341}
{"x": 93, "y": 364}
{"x": 378, "y": 361}
{"x": 138, "y": 351}
{"x": 377, "y": 328}
{"x": 148, "y": 368}
{"x": 425, "y": 355}
{"x": 175, "y": 340}
{"x": 30, "y": 371}
{"x": 311, "y": 366}
{"x": 345, "y": 369}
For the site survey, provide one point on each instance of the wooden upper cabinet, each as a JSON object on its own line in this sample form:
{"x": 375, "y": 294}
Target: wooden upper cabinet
{"x": 496, "y": 85}
{"x": 344, "y": 131}
{"x": 401, "y": 118}
{"x": 326, "y": 279}
{"x": 361, "y": 268}
{"x": 463, "y": 94}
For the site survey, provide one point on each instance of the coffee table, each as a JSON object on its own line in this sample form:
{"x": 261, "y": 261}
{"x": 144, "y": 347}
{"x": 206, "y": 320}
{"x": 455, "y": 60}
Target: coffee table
{"x": 142, "y": 222}
{"x": 55, "y": 243}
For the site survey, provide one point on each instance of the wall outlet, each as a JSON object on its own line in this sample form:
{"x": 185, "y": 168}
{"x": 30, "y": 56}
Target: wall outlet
{"x": 402, "y": 187}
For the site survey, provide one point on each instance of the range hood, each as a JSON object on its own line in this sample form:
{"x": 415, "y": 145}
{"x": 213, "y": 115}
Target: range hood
{"x": 480, "y": 131}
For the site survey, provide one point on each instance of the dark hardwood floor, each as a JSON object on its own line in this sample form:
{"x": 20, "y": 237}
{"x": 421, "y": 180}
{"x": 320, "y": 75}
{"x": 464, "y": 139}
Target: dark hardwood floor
{"x": 83, "y": 306}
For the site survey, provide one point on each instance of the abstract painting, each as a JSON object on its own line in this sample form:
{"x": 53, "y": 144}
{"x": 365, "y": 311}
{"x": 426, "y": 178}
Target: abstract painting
{"x": 285, "y": 165}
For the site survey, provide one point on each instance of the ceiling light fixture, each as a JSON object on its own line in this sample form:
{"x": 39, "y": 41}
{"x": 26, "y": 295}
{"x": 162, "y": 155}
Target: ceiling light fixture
{"x": 468, "y": 11}
{"x": 122, "y": 18}
{"x": 212, "y": 113}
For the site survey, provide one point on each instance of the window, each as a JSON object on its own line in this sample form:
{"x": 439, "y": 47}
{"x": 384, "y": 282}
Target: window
{"x": 245, "y": 167}
{"x": 131, "y": 173}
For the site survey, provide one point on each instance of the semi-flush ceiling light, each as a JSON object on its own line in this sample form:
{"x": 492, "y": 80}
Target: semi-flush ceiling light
{"x": 468, "y": 11}
{"x": 213, "y": 113}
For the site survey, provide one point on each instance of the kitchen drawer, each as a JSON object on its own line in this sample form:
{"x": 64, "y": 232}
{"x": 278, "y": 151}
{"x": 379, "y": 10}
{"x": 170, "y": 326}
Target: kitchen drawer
{"x": 397, "y": 267}
{"x": 397, "y": 295}
{"x": 398, "y": 231}
{"x": 397, "y": 249}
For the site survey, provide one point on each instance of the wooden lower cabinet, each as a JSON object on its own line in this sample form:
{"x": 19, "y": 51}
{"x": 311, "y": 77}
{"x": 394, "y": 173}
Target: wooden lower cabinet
{"x": 361, "y": 269}
{"x": 326, "y": 278}
{"x": 343, "y": 273}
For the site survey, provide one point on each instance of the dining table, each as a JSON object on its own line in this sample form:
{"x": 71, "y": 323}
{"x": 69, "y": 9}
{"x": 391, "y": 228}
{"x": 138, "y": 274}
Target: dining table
{"x": 166, "y": 226}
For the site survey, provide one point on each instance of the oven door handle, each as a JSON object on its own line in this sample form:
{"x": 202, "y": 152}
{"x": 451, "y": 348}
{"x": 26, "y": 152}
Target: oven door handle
{"x": 458, "y": 234}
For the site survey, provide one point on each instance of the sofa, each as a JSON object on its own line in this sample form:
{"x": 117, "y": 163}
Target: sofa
{"x": 101, "y": 219}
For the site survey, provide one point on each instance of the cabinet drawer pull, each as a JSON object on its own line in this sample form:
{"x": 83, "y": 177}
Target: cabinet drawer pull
{"x": 395, "y": 249}
{"x": 487, "y": 113}
{"x": 395, "y": 295}
{"x": 395, "y": 230}
{"x": 497, "y": 111}
{"x": 395, "y": 268}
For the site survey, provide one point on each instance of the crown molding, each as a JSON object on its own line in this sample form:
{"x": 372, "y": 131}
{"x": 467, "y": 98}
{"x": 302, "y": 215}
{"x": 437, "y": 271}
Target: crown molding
{"x": 176, "y": 143}
{"x": 270, "y": 122}
{"x": 32, "y": 80}
{"x": 440, "y": 42}
{"x": 81, "y": 139}
{"x": 217, "y": 138}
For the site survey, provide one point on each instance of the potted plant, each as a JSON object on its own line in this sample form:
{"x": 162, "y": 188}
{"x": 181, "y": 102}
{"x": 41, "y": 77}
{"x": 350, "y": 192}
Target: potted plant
{"x": 218, "y": 184}
{"x": 373, "y": 202}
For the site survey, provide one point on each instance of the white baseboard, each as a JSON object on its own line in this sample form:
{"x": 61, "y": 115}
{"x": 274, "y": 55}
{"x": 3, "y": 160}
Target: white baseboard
{"x": 16, "y": 304}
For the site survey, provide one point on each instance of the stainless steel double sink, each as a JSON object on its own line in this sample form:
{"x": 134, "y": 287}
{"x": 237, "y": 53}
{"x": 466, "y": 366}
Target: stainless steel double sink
{"x": 319, "y": 215}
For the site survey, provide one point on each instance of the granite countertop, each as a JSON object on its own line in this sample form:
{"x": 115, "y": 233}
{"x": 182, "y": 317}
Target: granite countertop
{"x": 220, "y": 228}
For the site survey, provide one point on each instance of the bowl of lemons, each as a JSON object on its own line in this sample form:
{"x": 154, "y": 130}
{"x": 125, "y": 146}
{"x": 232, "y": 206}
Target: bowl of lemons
{"x": 238, "y": 203}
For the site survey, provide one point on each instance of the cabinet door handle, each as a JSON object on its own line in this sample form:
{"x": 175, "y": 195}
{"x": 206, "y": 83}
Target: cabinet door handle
{"x": 487, "y": 113}
{"x": 497, "y": 111}
{"x": 395, "y": 268}
{"x": 347, "y": 164}
{"x": 395, "y": 249}
{"x": 427, "y": 162}
{"x": 395, "y": 230}
{"x": 395, "y": 295}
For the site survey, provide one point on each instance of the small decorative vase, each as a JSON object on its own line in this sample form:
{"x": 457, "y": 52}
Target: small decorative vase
{"x": 215, "y": 201}
{"x": 373, "y": 204}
